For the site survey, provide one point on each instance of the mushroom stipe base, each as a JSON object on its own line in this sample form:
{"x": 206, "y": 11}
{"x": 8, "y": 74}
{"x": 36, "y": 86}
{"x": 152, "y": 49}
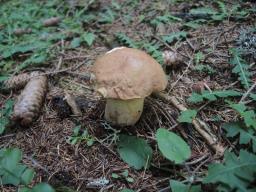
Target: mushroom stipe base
{"x": 123, "y": 112}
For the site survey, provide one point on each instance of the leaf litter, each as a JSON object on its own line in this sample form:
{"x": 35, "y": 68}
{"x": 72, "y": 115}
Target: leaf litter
{"x": 77, "y": 166}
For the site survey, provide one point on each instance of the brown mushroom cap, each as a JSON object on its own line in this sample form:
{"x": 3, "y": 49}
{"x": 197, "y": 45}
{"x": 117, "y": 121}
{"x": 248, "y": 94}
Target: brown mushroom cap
{"x": 126, "y": 73}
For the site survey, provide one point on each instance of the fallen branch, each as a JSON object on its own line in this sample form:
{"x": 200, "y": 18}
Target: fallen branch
{"x": 211, "y": 141}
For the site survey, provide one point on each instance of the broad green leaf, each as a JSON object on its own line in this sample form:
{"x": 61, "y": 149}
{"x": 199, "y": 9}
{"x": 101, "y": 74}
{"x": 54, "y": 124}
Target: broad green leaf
{"x": 172, "y": 146}
{"x": 177, "y": 186}
{"x": 134, "y": 151}
{"x": 237, "y": 172}
{"x": 89, "y": 38}
{"x": 27, "y": 176}
{"x": 13, "y": 176}
{"x": 43, "y": 187}
{"x": 187, "y": 116}
{"x": 245, "y": 135}
{"x": 10, "y": 158}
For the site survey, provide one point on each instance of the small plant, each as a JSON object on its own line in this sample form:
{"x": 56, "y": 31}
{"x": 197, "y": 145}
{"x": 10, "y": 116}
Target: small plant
{"x": 124, "y": 39}
{"x": 249, "y": 116}
{"x": 212, "y": 95}
{"x": 246, "y": 135}
{"x": 164, "y": 19}
{"x": 174, "y": 36}
{"x": 205, "y": 68}
{"x": 241, "y": 68}
{"x": 235, "y": 173}
{"x": 108, "y": 16}
{"x": 199, "y": 56}
{"x": 5, "y": 115}
{"x": 80, "y": 136}
{"x": 123, "y": 175}
{"x": 14, "y": 173}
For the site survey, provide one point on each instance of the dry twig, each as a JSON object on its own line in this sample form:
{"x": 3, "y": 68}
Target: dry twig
{"x": 197, "y": 125}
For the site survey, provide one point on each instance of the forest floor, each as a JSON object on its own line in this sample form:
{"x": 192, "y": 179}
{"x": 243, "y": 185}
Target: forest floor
{"x": 200, "y": 33}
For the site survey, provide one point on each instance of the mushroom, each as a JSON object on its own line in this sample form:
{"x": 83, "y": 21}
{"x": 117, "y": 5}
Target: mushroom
{"x": 125, "y": 76}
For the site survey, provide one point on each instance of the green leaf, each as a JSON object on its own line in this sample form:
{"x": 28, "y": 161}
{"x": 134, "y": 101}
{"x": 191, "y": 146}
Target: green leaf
{"x": 42, "y": 187}
{"x": 13, "y": 176}
{"x": 237, "y": 172}
{"x": 199, "y": 56}
{"x": 164, "y": 19}
{"x": 76, "y": 130}
{"x": 115, "y": 176}
{"x": 253, "y": 96}
{"x": 192, "y": 24}
{"x": 3, "y": 123}
{"x": 134, "y": 151}
{"x": 10, "y": 158}
{"x": 174, "y": 36}
{"x": 130, "y": 179}
{"x": 75, "y": 42}
{"x": 125, "y": 173}
{"x": 212, "y": 96}
{"x": 203, "y": 10}
{"x": 90, "y": 142}
{"x": 177, "y": 186}
{"x": 241, "y": 68}
{"x": 4, "y": 78}
{"x": 127, "y": 41}
{"x": 25, "y": 189}
{"x": 187, "y": 116}
{"x": 172, "y": 146}
{"x": 153, "y": 50}
{"x": 205, "y": 68}
{"x": 89, "y": 38}
{"x": 5, "y": 114}
{"x": 245, "y": 135}
{"x": 27, "y": 176}
{"x": 107, "y": 17}
{"x": 248, "y": 116}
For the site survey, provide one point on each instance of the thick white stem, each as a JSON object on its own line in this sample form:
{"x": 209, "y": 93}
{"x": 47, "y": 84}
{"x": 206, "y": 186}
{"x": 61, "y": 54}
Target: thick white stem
{"x": 123, "y": 112}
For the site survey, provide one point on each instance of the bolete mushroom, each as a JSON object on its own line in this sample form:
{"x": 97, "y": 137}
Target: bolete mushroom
{"x": 125, "y": 76}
